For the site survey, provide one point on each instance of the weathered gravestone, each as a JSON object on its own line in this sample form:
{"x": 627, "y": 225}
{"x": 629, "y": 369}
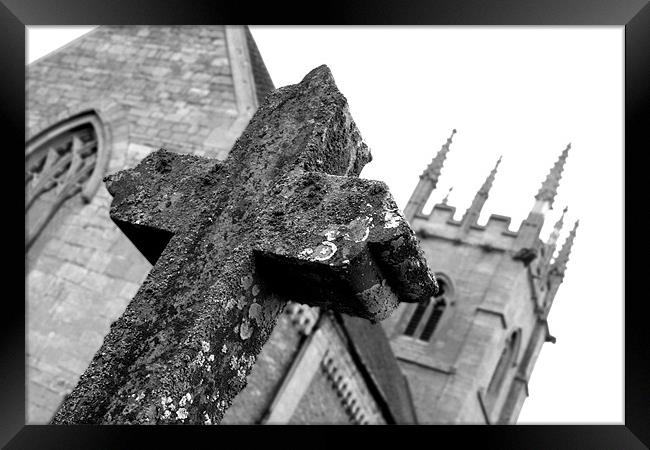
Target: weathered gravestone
{"x": 283, "y": 218}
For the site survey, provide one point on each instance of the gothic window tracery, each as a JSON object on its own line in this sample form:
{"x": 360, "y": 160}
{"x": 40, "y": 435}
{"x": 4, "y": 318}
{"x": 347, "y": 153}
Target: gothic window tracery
{"x": 426, "y": 316}
{"x": 60, "y": 164}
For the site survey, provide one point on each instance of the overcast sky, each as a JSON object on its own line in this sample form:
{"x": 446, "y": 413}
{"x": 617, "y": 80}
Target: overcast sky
{"x": 520, "y": 92}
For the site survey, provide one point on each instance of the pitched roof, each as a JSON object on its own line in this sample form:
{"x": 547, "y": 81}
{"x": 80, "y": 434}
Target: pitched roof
{"x": 263, "y": 82}
{"x": 371, "y": 348}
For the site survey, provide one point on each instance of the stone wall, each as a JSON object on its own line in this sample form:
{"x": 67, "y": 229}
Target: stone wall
{"x": 81, "y": 275}
{"x": 174, "y": 83}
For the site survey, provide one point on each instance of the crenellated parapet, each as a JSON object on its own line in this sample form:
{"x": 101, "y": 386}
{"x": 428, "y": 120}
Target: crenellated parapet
{"x": 496, "y": 233}
{"x": 442, "y": 224}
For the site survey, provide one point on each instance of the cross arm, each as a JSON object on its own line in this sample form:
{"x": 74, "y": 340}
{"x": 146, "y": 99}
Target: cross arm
{"x": 153, "y": 200}
{"x": 342, "y": 243}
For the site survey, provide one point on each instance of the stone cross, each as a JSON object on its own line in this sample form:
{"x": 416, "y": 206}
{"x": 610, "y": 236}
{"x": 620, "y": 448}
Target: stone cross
{"x": 284, "y": 218}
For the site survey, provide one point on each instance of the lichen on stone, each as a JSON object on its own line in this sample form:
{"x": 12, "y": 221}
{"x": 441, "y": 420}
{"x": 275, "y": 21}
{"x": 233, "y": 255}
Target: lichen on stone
{"x": 247, "y": 281}
{"x": 332, "y": 233}
{"x": 207, "y": 420}
{"x": 392, "y": 219}
{"x": 324, "y": 251}
{"x": 359, "y": 229}
{"x": 184, "y": 399}
{"x": 181, "y": 414}
{"x": 255, "y": 313}
{"x": 245, "y": 329}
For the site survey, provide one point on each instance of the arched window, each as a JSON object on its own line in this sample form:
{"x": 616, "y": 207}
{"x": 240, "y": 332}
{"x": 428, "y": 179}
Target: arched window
{"x": 60, "y": 163}
{"x": 426, "y": 316}
{"x": 438, "y": 308}
{"x": 507, "y": 360}
{"x": 415, "y": 319}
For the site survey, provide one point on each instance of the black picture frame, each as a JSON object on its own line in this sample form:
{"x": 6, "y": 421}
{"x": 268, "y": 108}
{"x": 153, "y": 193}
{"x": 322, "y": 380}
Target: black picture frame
{"x": 634, "y": 15}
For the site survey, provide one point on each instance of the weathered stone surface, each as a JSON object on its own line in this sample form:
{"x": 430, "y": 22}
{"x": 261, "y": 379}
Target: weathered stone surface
{"x": 283, "y": 218}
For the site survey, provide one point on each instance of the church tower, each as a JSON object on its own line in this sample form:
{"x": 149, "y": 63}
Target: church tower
{"x": 469, "y": 352}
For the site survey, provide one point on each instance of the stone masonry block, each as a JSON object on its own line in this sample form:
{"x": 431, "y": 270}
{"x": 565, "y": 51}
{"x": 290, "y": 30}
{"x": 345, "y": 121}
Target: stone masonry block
{"x": 36, "y": 340}
{"x": 76, "y": 254}
{"x": 93, "y": 338}
{"x": 42, "y": 395}
{"x": 117, "y": 267}
{"x": 99, "y": 261}
{"x": 76, "y": 363}
{"x": 96, "y": 241}
{"x": 96, "y": 282}
{"x": 52, "y": 247}
{"x": 72, "y": 272}
{"x": 38, "y": 282}
{"x": 113, "y": 309}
